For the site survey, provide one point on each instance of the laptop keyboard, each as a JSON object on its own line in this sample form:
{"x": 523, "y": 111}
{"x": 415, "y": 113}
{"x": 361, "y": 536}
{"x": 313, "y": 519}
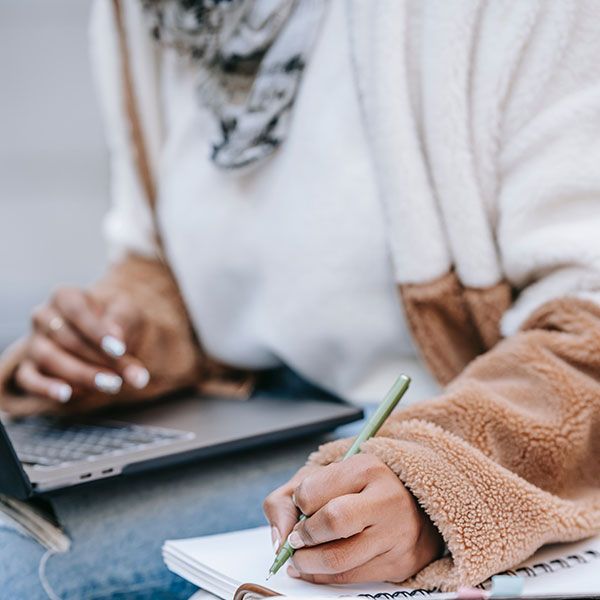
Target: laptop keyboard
{"x": 49, "y": 443}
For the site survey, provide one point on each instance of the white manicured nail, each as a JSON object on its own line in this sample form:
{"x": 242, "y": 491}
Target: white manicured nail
{"x": 295, "y": 540}
{"x": 61, "y": 392}
{"x": 275, "y": 538}
{"x": 113, "y": 346}
{"x": 107, "y": 383}
{"x": 137, "y": 376}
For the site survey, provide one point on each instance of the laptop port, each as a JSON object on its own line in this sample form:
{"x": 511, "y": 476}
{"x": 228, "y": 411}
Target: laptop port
{"x": 107, "y": 471}
{"x": 85, "y": 476}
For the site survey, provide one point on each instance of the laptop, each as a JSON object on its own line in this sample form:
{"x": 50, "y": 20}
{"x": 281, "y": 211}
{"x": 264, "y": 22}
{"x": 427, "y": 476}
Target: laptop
{"x": 41, "y": 454}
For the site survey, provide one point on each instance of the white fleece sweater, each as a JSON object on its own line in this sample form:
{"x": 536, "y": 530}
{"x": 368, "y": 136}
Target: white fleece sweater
{"x": 288, "y": 262}
{"x": 482, "y": 120}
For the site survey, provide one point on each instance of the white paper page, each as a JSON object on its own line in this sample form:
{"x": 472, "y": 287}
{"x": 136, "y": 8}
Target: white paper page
{"x": 245, "y": 556}
{"x": 231, "y": 559}
{"x": 569, "y": 575}
{"x": 198, "y": 578}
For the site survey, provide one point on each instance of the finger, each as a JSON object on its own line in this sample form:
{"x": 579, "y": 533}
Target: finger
{"x": 340, "y": 518}
{"x": 122, "y": 315}
{"x": 134, "y": 372}
{"x": 56, "y": 362}
{"x": 281, "y": 513}
{"x": 279, "y": 509}
{"x": 130, "y": 368}
{"x": 337, "y": 479}
{"x": 341, "y": 555}
{"x": 387, "y": 566}
{"x": 30, "y": 380}
{"x": 44, "y": 318}
{"x": 84, "y": 315}
{"x": 375, "y": 570}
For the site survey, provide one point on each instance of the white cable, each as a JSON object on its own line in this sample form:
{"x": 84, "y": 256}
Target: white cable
{"x": 42, "y": 575}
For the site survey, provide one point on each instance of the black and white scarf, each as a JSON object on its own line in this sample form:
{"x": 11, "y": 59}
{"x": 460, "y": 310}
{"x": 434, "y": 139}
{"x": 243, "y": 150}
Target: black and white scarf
{"x": 250, "y": 57}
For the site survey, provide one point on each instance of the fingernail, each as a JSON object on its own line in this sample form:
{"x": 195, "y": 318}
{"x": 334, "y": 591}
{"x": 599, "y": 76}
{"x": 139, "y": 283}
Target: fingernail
{"x": 295, "y": 540}
{"x": 61, "y": 392}
{"x": 293, "y": 572}
{"x": 275, "y": 538}
{"x": 113, "y": 346}
{"x": 137, "y": 376}
{"x": 110, "y": 384}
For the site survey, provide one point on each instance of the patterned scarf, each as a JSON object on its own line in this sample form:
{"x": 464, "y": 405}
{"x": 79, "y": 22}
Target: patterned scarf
{"x": 250, "y": 57}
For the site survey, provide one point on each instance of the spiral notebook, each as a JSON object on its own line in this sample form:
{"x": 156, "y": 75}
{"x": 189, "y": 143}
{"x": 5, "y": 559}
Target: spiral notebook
{"x": 237, "y": 562}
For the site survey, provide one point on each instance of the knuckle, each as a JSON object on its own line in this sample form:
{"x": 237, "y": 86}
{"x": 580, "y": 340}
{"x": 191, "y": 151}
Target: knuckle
{"x": 333, "y": 559}
{"x": 61, "y": 293}
{"x": 307, "y": 533}
{"x": 370, "y": 464}
{"x": 278, "y": 507}
{"x": 21, "y": 375}
{"x": 56, "y": 295}
{"x": 37, "y": 315}
{"x": 308, "y": 577}
{"x": 269, "y": 504}
{"x": 74, "y": 308}
{"x": 124, "y": 312}
{"x": 340, "y": 578}
{"x": 334, "y": 515}
{"x": 329, "y": 518}
{"x": 70, "y": 300}
{"x": 300, "y": 496}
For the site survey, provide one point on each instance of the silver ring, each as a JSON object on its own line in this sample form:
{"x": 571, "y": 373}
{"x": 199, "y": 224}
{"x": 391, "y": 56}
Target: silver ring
{"x": 56, "y": 323}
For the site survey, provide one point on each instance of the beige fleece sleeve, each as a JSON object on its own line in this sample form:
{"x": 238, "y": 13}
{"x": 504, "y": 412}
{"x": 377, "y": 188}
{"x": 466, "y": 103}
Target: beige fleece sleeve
{"x": 508, "y": 459}
{"x": 166, "y": 343}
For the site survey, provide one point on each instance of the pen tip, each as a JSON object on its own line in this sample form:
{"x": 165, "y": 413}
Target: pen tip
{"x": 269, "y": 575}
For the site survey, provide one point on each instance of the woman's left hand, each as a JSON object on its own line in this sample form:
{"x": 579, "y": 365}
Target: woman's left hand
{"x": 364, "y": 525}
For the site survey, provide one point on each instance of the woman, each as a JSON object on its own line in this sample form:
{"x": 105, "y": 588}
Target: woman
{"x": 297, "y": 164}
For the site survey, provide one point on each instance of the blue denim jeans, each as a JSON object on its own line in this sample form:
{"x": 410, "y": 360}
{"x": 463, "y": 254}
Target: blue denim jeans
{"x": 117, "y": 527}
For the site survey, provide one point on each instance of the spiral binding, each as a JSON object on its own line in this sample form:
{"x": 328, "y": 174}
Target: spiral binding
{"x": 399, "y": 594}
{"x": 552, "y": 566}
{"x": 535, "y": 570}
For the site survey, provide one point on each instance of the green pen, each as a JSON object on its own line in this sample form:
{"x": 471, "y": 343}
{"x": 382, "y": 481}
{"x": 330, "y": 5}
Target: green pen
{"x": 371, "y": 427}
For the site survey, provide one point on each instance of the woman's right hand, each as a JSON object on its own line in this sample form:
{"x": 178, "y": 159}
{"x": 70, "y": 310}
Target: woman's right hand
{"x": 81, "y": 350}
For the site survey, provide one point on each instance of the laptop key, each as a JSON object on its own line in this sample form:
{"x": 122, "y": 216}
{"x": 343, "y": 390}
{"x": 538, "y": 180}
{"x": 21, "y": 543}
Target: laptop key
{"x": 46, "y": 442}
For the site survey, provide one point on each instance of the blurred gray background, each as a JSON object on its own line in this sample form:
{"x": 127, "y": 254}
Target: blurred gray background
{"x": 53, "y": 164}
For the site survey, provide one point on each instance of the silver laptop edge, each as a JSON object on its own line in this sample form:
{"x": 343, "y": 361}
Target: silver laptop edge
{"x": 209, "y": 426}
